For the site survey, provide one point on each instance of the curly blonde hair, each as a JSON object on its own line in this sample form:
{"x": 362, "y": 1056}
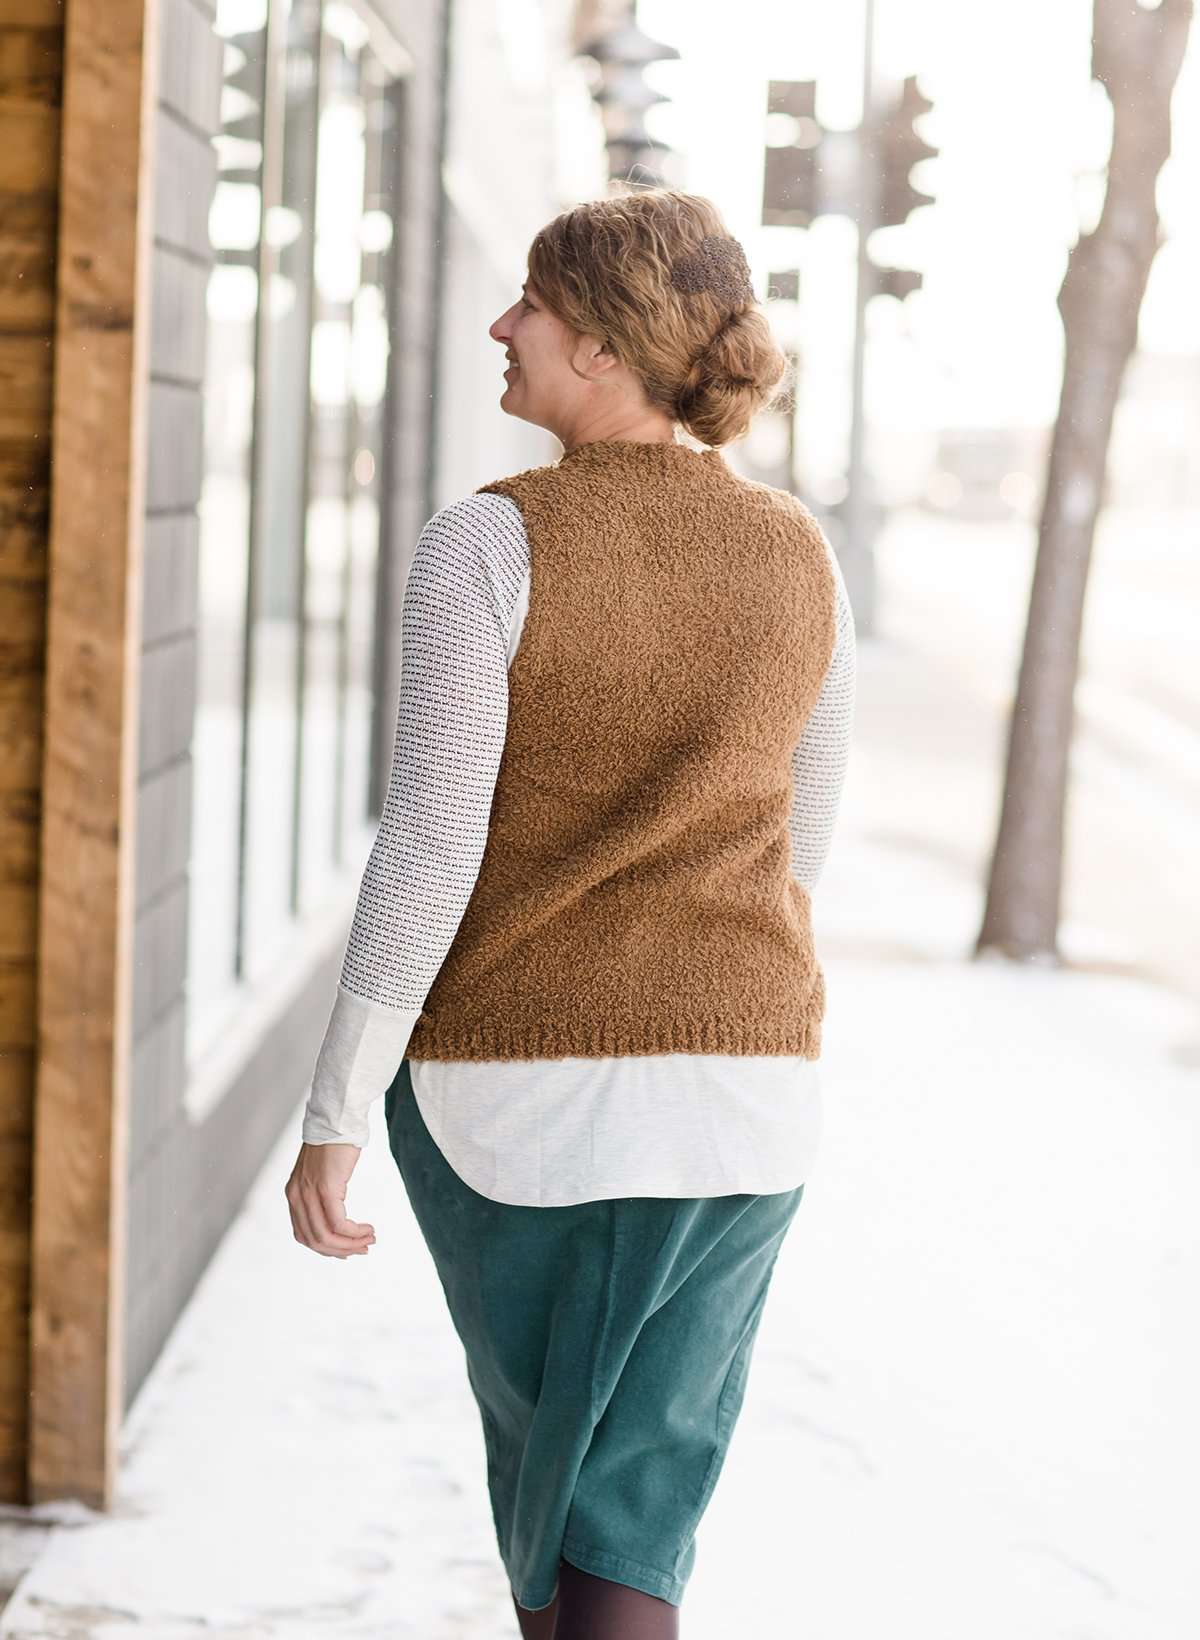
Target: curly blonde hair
{"x": 657, "y": 274}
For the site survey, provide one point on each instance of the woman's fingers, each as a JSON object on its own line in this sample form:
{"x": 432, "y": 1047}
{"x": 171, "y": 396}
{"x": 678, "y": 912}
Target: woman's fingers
{"x": 308, "y": 1214}
{"x": 337, "y": 1233}
{"x": 334, "y": 1203}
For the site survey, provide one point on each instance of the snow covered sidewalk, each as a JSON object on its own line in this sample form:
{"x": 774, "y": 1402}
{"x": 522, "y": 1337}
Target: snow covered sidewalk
{"x": 971, "y": 1413}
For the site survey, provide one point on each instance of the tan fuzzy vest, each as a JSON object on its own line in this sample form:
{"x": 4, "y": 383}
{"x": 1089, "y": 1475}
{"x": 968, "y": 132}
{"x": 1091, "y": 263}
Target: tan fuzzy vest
{"x": 635, "y": 895}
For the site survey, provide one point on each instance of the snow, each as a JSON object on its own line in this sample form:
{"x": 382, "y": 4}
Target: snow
{"x": 971, "y": 1407}
{"x": 971, "y": 1410}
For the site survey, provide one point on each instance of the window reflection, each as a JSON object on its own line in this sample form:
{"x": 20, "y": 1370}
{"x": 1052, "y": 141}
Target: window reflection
{"x": 276, "y": 584}
{"x": 348, "y": 376}
{"x": 370, "y": 365}
{"x": 224, "y": 512}
{"x": 295, "y": 408}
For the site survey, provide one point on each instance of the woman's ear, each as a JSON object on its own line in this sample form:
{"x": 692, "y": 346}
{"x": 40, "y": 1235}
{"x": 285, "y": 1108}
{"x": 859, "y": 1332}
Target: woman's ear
{"x": 595, "y": 358}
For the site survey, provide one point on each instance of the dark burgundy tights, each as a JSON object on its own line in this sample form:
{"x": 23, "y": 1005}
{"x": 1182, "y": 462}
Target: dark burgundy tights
{"x": 596, "y": 1608}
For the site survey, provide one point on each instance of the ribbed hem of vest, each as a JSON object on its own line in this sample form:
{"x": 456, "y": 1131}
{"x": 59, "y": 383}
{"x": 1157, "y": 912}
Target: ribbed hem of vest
{"x": 615, "y": 1040}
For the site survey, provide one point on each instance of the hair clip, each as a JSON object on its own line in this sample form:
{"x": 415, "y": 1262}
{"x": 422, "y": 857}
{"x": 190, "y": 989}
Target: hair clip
{"x": 717, "y": 265}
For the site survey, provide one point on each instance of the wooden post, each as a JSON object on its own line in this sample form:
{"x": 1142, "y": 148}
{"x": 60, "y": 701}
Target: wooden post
{"x": 30, "y": 98}
{"x": 89, "y": 776}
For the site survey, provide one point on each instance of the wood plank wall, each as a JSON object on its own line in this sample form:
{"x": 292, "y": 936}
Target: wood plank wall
{"x": 31, "y": 33}
{"x": 90, "y": 759}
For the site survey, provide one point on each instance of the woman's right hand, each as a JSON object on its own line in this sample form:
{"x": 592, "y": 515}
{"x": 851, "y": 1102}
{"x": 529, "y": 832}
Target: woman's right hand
{"x": 316, "y": 1196}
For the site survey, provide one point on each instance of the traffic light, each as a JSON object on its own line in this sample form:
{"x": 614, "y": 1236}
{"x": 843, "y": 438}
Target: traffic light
{"x": 900, "y": 147}
{"x": 791, "y": 172}
{"x": 897, "y": 282}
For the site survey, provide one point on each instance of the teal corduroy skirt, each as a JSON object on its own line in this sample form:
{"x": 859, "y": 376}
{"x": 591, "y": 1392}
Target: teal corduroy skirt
{"x": 607, "y": 1346}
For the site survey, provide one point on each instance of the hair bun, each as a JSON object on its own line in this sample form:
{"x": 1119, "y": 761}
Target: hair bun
{"x": 735, "y": 374}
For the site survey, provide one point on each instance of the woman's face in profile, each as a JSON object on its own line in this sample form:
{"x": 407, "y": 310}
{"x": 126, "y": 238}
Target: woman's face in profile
{"x": 540, "y": 385}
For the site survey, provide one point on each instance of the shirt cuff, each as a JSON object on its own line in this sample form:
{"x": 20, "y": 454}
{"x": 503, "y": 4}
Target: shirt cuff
{"x": 363, "y": 1046}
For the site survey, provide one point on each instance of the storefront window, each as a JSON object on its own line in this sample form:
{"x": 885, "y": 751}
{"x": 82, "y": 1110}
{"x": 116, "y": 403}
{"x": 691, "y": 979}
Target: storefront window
{"x": 347, "y": 382}
{"x": 369, "y": 365}
{"x": 276, "y": 589}
{"x": 295, "y": 441}
{"x": 235, "y": 225}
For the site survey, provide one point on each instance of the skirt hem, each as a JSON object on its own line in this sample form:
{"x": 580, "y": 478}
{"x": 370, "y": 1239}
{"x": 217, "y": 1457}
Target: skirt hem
{"x": 621, "y": 1569}
{"x": 635, "y": 1574}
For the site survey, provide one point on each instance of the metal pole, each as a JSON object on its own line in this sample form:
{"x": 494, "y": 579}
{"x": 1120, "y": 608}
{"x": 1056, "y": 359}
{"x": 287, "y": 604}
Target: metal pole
{"x": 857, "y": 548}
{"x": 793, "y": 477}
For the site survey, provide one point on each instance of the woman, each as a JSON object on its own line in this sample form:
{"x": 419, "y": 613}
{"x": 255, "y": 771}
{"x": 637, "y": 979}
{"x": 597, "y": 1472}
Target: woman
{"x": 581, "y": 966}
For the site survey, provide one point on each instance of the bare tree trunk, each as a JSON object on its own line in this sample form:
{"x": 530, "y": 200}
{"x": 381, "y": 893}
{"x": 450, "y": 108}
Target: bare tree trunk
{"x": 1136, "y": 55}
